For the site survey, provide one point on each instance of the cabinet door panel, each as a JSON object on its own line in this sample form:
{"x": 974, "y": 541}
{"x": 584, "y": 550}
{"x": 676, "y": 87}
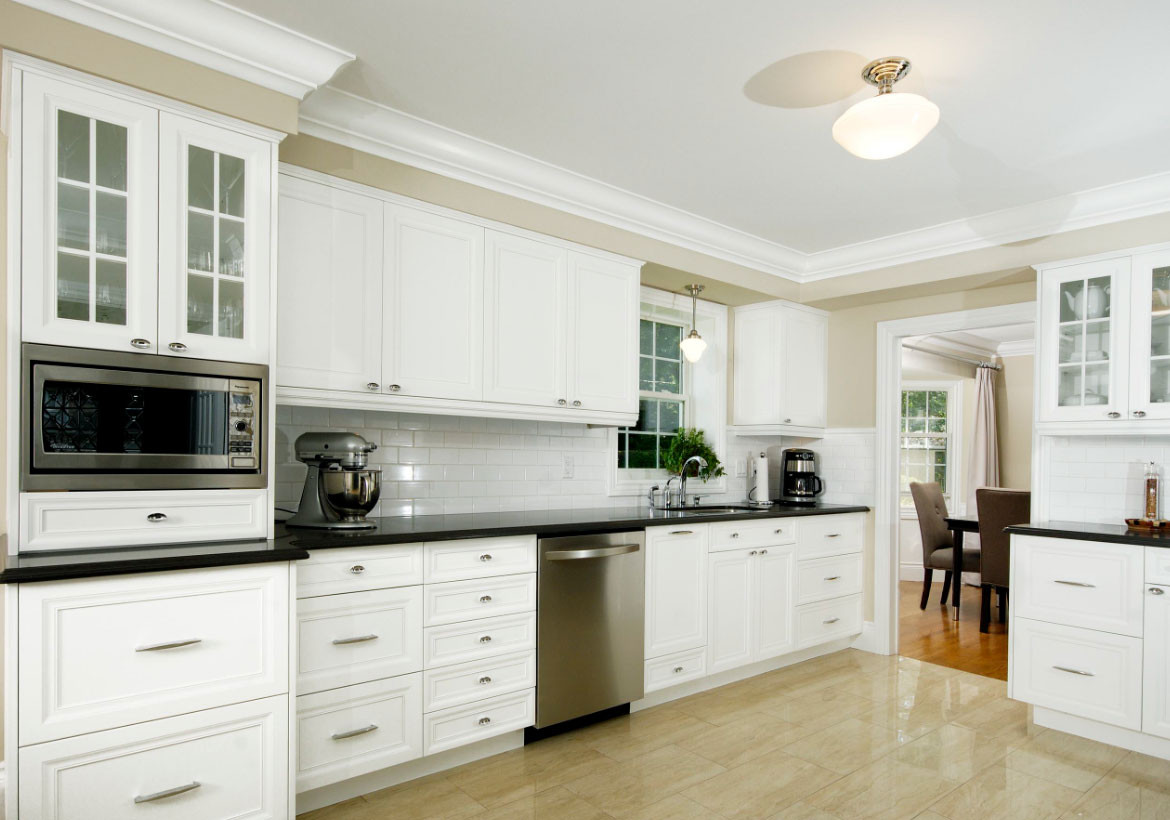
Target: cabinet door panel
{"x": 775, "y": 600}
{"x": 433, "y": 297}
{"x": 603, "y": 334}
{"x": 525, "y": 327}
{"x": 89, "y": 198}
{"x": 1149, "y": 363}
{"x": 676, "y": 590}
{"x": 730, "y": 610}
{"x": 1156, "y": 667}
{"x": 329, "y": 311}
{"x": 758, "y": 368}
{"x": 805, "y": 351}
{"x": 214, "y": 228}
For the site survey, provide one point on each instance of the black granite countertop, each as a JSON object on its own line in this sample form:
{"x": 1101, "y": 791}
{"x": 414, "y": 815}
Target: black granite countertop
{"x": 412, "y": 529}
{"x": 1112, "y": 533}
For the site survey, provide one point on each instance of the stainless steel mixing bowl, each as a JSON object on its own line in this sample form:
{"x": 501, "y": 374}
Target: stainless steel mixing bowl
{"x": 352, "y": 493}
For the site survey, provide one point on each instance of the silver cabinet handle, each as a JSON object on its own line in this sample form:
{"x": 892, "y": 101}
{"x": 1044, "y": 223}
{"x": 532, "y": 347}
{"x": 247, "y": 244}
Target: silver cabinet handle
{"x": 357, "y": 569}
{"x": 1141, "y": 414}
{"x": 487, "y": 556}
{"x": 485, "y": 599}
{"x": 735, "y": 535}
{"x": 178, "y": 347}
{"x": 576, "y": 404}
{"x": 176, "y": 791}
{"x": 1113, "y": 414}
{"x": 486, "y": 639}
{"x": 780, "y": 531}
{"x": 561, "y": 402}
{"x": 141, "y": 344}
{"x": 1157, "y": 591}
{"x": 484, "y": 721}
{"x": 763, "y": 552}
{"x": 831, "y": 621}
{"x": 154, "y": 518}
{"x": 833, "y": 578}
{"x": 832, "y": 535}
{"x": 601, "y": 552}
{"x": 372, "y": 385}
{"x": 1072, "y": 671}
{"x": 155, "y": 647}
{"x": 485, "y": 680}
{"x": 1076, "y": 584}
{"x": 788, "y": 421}
{"x": 754, "y": 552}
{"x": 355, "y": 639}
{"x": 394, "y": 388}
{"x": 677, "y": 669}
{"x": 365, "y": 730}
{"x": 682, "y": 532}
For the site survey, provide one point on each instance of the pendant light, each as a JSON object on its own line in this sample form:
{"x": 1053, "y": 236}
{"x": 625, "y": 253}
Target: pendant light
{"x": 890, "y": 123}
{"x": 693, "y": 345}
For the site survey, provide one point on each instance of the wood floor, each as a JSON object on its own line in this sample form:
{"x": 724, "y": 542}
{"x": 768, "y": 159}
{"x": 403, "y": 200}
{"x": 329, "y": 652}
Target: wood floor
{"x": 932, "y": 635}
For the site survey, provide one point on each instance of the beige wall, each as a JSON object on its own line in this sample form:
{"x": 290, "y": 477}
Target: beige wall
{"x": 1013, "y": 418}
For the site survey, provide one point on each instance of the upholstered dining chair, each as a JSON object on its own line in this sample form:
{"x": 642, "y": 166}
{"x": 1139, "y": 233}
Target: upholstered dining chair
{"x": 937, "y": 541}
{"x": 998, "y": 509}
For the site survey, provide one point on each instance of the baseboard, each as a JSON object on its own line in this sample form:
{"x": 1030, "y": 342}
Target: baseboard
{"x": 1102, "y": 732}
{"x": 868, "y": 641}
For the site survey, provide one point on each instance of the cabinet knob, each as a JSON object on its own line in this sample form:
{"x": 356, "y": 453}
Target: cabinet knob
{"x": 677, "y": 669}
{"x": 486, "y": 639}
{"x": 484, "y": 721}
{"x": 141, "y": 344}
{"x": 487, "y": 556}
{"x": 1113, "y": 414}
{"x": 155, "y": 518}
{"x": 1141, "y": 414}
{"x": 561, "y": 402}
{"x": 394, "y": 388}
{"x": 485, "y": 599}
{"x": 735, "y": 535}
{"x": 178, "y": 347}
{"x": 576, "y": 404}
{"x": 763, "y": 552}
{"x": 754, "y": 552}
{"x": 372, "y": 385}
{"x": 357, "y": 569}
{"x": 788, "y": 421}
{"x": 485, "y": 680}
{"x": 1157, "y": 591}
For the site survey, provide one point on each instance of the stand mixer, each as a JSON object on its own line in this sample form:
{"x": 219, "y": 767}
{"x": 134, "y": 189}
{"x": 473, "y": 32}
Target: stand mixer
{"x": 340, "y": 489}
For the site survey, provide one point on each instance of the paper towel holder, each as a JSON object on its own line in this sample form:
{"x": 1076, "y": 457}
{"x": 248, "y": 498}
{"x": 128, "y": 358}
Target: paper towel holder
{"x": 755, "y": 489}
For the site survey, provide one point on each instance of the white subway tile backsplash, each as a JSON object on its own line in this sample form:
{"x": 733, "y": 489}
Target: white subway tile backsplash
{"x": 1101, "y": 479}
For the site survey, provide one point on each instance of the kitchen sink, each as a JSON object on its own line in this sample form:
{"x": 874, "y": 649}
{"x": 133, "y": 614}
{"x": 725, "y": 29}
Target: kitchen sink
{"x": 726, "y": 510}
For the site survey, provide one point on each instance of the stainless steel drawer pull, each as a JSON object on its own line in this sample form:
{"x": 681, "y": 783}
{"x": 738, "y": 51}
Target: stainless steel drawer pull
{"x": 372, "y": 385}
{"x": 779, "y": 532}
{"x": 177, "y": 790}
{"x": 487, "y": 556}
{"x": 1141, "y": 414}
{"x": 1113, "y": 414}
{"x": 154, "y": 647}
{"x": 1074, "y": 671}
{"x": 600, "y": 552}
{"x": 1157, "y": 591}
{"x": 365, "y": 730}
{"x": 355, "y": 639}
{"x": 357, "y": 569}
{"x": 486, "y": 639}
{"x": 178, "y": 347}
{"x": 394, "y": 388}
{"x": 831, "y": 621}
{"x": 1076, "y": 584}
{"x": 155, "y": 518}
{"x": 484, "y": 721}
{"x": 677, "y": 669}
{"x": 485, "y": 680}
{"x": 682, "y": 532}
{"x": 141, "y": 344}
{"x": 833, "y": 578}
{"x": 832, "y": 535}
{"x": 485, "y": 599}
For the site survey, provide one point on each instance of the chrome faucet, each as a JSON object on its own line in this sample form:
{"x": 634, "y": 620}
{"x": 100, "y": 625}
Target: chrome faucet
{"x": 682, "y": 483}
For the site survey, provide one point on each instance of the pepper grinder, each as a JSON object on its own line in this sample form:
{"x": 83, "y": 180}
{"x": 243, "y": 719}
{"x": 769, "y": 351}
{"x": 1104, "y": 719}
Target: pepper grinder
{"x": 1152, "y": 491}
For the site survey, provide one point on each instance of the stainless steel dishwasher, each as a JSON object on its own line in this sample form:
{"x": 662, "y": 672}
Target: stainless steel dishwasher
{"x": 590, "y": 618}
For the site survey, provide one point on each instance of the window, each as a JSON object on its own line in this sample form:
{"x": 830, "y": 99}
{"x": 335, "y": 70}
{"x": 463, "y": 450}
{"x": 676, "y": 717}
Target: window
{"x": 662, "y": 405}
{"x": 927, "y": 451}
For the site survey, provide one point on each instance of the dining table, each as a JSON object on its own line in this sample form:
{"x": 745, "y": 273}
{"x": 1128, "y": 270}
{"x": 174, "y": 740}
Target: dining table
{"x": 958, "y": 525}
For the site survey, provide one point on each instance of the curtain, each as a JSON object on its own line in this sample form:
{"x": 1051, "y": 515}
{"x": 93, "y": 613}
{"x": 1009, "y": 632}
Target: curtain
{"x": 983, "y": 469}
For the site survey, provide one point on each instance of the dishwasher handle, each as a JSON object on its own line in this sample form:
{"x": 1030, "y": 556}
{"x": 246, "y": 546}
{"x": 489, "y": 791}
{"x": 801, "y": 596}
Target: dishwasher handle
{"x": 599, "y": 552}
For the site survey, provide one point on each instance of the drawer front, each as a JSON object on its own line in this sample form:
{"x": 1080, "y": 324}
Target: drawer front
{"x": 819, "y": 579}
{"x": 1158, "y": 565}
{"x": 823, "y": 535}
{"x": 480, "y": 558}
{"x": 106, "y": 652}
{"x": 461, "y": 725}
{"x": 328, "y": 572}
{"x": 469, "y": 682}
{"x": 674, "y": 669}
{"x": 355, "y": 730}
{"x": 480, "y": 598}
{"x": 1078, "y": 583}
{"x": 230, "y": 762}
{"x": 1095, "y": 675}
{"x": 55, "y": 521}
{"x": 733, "y": 535}
{"x": 827, "y": 621}
{"x": 476, "y": 640}
{"x": 358, "y": 637}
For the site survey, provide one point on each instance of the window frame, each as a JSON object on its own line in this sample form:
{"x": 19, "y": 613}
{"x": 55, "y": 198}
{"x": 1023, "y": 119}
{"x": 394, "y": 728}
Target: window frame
{"x": 955, "y": 498}
{"x": 682, "y": 397}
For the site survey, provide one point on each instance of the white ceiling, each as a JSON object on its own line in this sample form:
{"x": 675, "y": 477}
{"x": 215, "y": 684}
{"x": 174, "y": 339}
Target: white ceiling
{"x": 1039, "y": 99}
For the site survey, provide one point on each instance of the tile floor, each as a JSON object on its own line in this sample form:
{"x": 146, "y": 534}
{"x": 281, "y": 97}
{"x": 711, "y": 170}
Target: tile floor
{"x": 850, "y": 735}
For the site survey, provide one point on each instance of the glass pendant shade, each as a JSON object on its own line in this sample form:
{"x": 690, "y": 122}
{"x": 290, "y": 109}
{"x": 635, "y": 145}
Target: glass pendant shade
{"x": 693, "y": 346}
{"x": 886, "y": 125}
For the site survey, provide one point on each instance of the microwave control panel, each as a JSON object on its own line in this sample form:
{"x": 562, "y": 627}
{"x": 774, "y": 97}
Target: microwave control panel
{"x": 242, "y": 425}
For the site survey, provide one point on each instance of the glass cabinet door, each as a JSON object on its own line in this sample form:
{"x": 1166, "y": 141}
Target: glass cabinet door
{"x": 214, "y": 201}
{"x": 89, "y": 194}
{"x": 1150, "y": 335}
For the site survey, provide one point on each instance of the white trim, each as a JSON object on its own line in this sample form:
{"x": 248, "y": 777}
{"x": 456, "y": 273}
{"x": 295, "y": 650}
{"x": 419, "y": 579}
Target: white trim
{"x": 1021, "y": 347}
{"x": 213, "y": 34}
{"x": 889, "y": 376}
{"x": 943, "y": 343}
{"x": 367, "y": 126}
{"x": 867, "y": 640}
{"x": 1102, "y": 732}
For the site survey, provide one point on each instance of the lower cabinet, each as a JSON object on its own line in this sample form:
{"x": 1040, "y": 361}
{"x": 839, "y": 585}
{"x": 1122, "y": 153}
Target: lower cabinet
{"x": 1156, "y": 667}
{"x": 460, "y": 725}
{"x": 750, "y": 605}
{"x": 828, "y": 620}
{"x": 676, "y": 589}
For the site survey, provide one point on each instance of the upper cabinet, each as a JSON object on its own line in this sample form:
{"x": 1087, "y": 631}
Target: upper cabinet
{"x": 469, "y": 318}
{"x": 1103, "y": 361}
{"x": 142, "y": 229}
{"x": 780, "y": 369}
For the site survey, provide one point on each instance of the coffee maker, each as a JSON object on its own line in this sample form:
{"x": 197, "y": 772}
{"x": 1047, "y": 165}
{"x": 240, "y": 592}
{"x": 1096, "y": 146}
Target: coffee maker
{"x": 340, "y": 488}
{"x": 800, "y": 485}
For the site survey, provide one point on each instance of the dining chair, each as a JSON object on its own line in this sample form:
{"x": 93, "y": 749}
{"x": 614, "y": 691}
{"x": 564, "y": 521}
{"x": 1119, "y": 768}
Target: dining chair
{"x": 937, "y": 541}
{"x": 998, "y": 509}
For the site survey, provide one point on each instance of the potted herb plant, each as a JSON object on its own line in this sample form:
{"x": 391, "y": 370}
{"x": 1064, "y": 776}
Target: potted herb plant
{"x": 689, "y": 442}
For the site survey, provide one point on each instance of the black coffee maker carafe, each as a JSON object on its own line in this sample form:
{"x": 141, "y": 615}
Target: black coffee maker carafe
{"x": 800, "y": 484}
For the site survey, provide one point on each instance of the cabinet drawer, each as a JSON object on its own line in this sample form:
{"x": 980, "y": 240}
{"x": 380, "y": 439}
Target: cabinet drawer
{"x": 461, "y": 725}
{"x": 354, "y": 730}
{"x": 827, "y": 621}
{"x": 822, "y": 578}
{"x": 733, "y": 535}
{"x": 1078, "y": 583}
{"x": 358, "y": 637}
{"x": 328, "y": 572}
{"x": 474, "y": 640}
{"x": 1158, "y": 565}
{"x": 677, "y": 668}
{"x": 230, "y": 762}
{"x": 1095, "y": 675}
{"x": 469, "y": 682}
{"x": 480, "y": 598}
{"x": 822, "y": 535}
{"x": 480, "y": 558}
{"x": 106, "y": 652}
{"x": 57, "y": 521}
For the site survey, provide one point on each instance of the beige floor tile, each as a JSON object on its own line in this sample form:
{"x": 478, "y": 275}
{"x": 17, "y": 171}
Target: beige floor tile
{"x": 803, "y": 811}
{"x": 884, "y": 790}
{"x": 999, "y": 793}
{"x": 731, "y": 703}
{"x": 629, "y": 786}
{"x": 355, "y": 809}
{"x": 847, "y": 746}
{"x": 821, "y": 709}
{"x": 553, "y": 804}
{"x": 761, "y": 787}
{"x": 524, "y": 772}
{"x": 429, "y": 797}
{"x": 1137, "y": 788}
{"x": 1066, "y": 759}
{"x": 1000, "y": 717}
{"x": 955, "y": 752}
{"x": 675, "y": 807}
{"x": 930, "y": 815}
{"x": 916, "y": 713}
{"x": 629, "y": 736}
{"x": 745, "y": 739}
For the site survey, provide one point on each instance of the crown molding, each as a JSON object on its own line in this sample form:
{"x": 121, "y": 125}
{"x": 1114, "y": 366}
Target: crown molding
{"x": 367, "y": 126}
{"x": 212, "y": 34}
{"x": 1023, "y": 347}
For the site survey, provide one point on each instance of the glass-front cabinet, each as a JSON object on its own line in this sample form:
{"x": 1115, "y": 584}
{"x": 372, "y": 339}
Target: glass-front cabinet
{"x": 1150, "y": 336}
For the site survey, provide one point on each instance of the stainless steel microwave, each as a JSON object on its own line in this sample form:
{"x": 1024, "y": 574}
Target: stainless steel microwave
{"x": 104, "y": 420}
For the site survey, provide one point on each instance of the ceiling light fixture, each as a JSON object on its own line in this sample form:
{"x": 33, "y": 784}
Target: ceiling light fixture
{"x": 889, "y": 124}
{"x": 693, "y": 345}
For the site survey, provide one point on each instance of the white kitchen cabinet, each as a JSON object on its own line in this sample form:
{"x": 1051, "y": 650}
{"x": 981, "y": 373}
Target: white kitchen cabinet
{"x": 752, "y": 593}
{"x": 603, "y": 334}
{"x": 1156, "y": 662}
{"x": 1149, "y": 358}
{"x": 775, "y": 595}
{"x": 432, "y": 315}
{"x": 676, "y": 589}
{"x": 329, "y": 322}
